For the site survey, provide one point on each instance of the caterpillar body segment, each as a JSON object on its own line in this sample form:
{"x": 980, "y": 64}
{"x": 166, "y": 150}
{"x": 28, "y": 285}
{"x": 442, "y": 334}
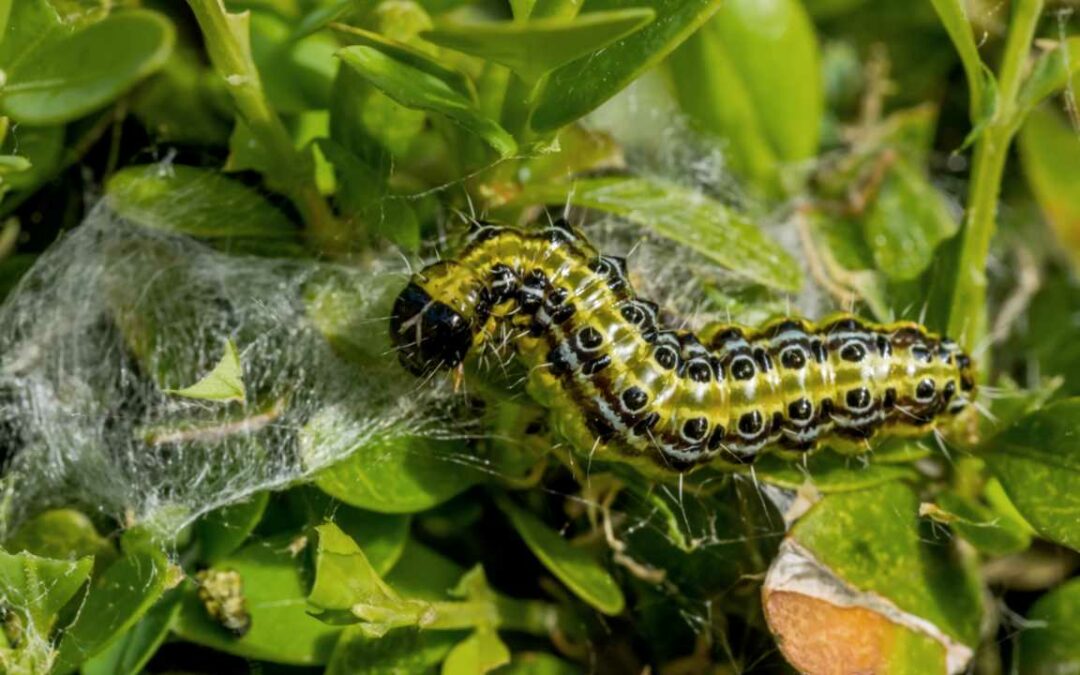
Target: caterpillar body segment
{"x": 619, "y": 383}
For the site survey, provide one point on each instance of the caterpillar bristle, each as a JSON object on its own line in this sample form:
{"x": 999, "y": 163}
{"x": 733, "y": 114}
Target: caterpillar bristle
{"x": 624, "y": 385}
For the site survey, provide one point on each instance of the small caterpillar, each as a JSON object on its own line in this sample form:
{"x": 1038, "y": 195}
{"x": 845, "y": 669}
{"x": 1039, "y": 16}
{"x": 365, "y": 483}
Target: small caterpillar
{"x": 618, "y": 382}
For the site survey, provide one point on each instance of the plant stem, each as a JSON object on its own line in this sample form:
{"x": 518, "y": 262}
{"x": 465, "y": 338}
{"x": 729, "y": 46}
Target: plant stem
{"x": 967, "y": 319}
{"x": 228, "y": 42}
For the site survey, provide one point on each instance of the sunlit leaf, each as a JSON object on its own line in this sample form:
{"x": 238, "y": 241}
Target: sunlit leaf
{"x": 685, "y": 216}
{"x": 82, "y": 72}
{"x": 537, "y": 47}
{"x": 583, "y": 84}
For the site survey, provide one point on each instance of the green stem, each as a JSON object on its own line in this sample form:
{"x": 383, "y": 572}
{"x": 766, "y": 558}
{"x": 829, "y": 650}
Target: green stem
{"x": 228, "y": 42}
{"x": 967, "y": 320}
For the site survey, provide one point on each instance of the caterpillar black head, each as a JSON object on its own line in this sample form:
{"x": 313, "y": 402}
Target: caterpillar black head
{"x": 434, "y": 321}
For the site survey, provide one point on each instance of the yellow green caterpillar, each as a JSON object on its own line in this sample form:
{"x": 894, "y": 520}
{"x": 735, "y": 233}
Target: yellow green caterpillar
{"x": 622, "y": 386}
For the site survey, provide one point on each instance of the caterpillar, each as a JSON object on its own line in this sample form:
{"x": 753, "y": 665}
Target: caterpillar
{"x": 620, "y": 384}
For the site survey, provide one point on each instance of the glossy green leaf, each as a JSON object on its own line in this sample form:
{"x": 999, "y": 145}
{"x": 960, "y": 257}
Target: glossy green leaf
{"x": 685, "y": 216}
{"x": 773, "y": 48}
{"x": 1050, "y": 150}
{"x": 479, "y": 653}
{"x": 423, "y": 573}
{"x": 394, "y": 475}
{"x": 906, "y": 222}
{"x": 224, "y": 383}
{"x": 1049, "y": 643}
{"x": 115, "y": 602}
{"x": 42, "y": 148}
{"x": 987, "y": 531}
{"x": 1037, "y": 461}
{"x": 31, "y": 28}
{"x": 871, "y": 539}
{"x": 582, "y": 85}
{"x": 382, "y": 536}
{"x": 129, "y": 654}
{"x": 581, "y": 573}
{"x": 86, "y": 70}
{"x": 829, "y": 472}
{"x": 64, "y": 534}
{"x": 420, "y": 89}
{"x": 223, "y": 530}
{"x": 1050, "y": 74}
{"x": 401, "y": 652}
{"x": 195, "y": 201}
{"x": 532, "y": 49}
{"x": 275, "y": 586}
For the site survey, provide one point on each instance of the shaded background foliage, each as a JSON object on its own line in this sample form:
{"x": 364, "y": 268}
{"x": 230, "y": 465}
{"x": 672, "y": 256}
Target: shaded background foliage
{"x": 816, "y": 154}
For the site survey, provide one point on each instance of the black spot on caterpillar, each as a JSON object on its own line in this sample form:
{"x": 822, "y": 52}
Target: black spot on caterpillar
{"x": 622, "y": 385}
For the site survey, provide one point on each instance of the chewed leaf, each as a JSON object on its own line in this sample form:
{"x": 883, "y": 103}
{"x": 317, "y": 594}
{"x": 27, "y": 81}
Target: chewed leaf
{"x": 535, "y": 48}
{"x": 418, "y": 88}
{"x": 223, "y": 383}
{"x": 686, "y": 217}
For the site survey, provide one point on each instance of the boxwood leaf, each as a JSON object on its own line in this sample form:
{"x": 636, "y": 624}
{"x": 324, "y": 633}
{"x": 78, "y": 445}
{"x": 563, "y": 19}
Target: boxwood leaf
{"x": 64, "y": 534}
{"x": 406, "y": 650}
{"x": 686, "y": 217}
{"x": 129, "y": 654}
{"x": 1050, "y": 151}
{"x": 581, "y": 573}
{"x": 224, "y": 383}
{"x": 223, "y": 530}
{"x": 1050, "y": 641}
{"x": 987, "y": 531}
{"x": 36, "y": 588}
{"x": 275, "y": 585}
{"x": 871, "y": 539}
{"x": 1037, "y": 461}
{"x": 906, "y": 222}
{"x": 1049, "y": 74}
{"x": 116, "y": 601}
{"x": 418, "y": 88}
{"x": 479, "y": 653}
{"x": 532, "y": 49}
{"x": 390, "y": 475}
{"x": 582, "y": 85}
{"x": 70, "y": 77}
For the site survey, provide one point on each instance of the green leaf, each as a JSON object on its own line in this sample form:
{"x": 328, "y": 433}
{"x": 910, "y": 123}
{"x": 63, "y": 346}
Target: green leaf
{"x": 1050, "y": 151}
{"x": 275, "y": 585}
{"x": 116, "y": 601}
{"x": 381, "y": 536}
{"x": 388, "y": 475}
{"x": 37, "y": 588}
{"x": 86, "y": 70}
{"x": 180, "y": 102}
{"x": 1037, "y": 461}
{"x": 871, "y": 540}
{"x": 711, "y": 92}
{"x": 773, "y": 48}
{"x": 223, "y": 383}
{"x": 129, "y": 654}
{"x": 222, "y": 531}
{"x": 296, "y": 74}
{"x": 401, "y": 652}
{"x": 953, "y": 15}
{"x": 347, "y": 587}
{"x": 573, "y": 566}
{"x": 829, "y": 472}
{"x": 64, "y": 534}
{"x": 481, "y": 652}
{"x": 420, "y": 89}
{"x": 580, "y": 86}
{"x": 423, "y": 573}
{"x": 984, "y": 529}
{"x": 906, "y": 222}
{"x": 686, "y": 217}
{"x": 1050, "y": 641}
{"x": 42, "y": 147}
{"x": 534, "y": 48}
{"x": 1049, "y": 74}
{"x": 197, "y": 202}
